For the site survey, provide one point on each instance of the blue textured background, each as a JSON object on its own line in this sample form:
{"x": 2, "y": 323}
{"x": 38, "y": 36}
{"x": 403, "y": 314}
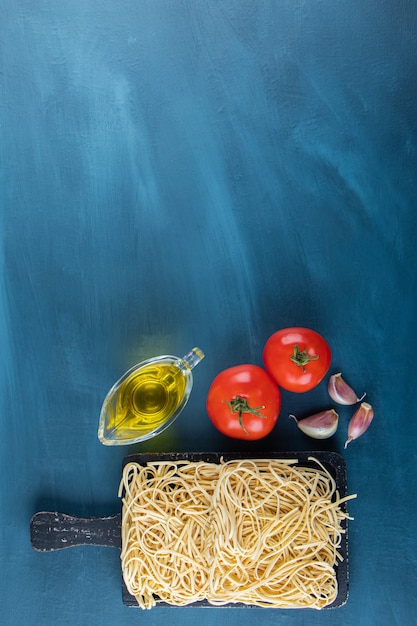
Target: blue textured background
{"x": 180, "y": 173}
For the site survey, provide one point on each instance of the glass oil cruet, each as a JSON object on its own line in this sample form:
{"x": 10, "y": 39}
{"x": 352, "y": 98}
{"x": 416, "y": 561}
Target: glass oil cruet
{"x": 147, "y": 399}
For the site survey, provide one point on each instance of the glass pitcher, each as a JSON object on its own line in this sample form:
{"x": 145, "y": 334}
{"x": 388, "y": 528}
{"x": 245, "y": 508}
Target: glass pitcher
{"x": 147, "y": 399}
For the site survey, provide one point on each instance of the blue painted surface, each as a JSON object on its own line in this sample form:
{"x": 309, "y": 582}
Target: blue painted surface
{"x": 200, "y": 173}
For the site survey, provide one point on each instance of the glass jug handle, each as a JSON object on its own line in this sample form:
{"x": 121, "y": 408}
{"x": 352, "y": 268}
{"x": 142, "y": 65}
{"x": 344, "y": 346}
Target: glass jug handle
{"x": 193, "y": 357}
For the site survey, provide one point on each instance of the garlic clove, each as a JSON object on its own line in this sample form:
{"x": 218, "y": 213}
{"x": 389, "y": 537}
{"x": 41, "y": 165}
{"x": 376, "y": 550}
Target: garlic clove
{"x": 320, "y": 425}
{"x": 341, "y": 392}
{"x": 359, "y": 422}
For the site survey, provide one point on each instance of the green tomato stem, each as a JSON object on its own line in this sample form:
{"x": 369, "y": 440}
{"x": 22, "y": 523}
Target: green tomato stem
{"x": 240, "y": 405}
{"x": 301, "y": 357}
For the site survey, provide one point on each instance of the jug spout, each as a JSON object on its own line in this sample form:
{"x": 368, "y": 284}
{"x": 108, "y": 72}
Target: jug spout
{"x": 193, "y": 357}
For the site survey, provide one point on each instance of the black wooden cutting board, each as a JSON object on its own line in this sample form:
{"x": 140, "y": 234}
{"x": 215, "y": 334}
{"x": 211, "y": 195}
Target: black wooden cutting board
{"x": 50, "y": 530}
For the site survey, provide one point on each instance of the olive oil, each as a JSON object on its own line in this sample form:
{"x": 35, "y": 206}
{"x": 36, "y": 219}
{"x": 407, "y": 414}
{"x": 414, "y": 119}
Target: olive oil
{"x": 147, "y": 398}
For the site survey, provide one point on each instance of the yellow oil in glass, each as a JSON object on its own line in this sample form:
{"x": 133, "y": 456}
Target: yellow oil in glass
{"x": 147, "y": 399}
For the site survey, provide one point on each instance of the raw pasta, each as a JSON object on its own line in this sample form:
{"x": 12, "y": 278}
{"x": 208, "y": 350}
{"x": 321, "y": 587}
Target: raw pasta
{"x": 261, "y": 532}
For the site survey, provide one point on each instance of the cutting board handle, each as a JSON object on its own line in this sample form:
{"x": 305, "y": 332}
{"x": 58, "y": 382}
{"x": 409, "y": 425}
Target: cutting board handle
{"x": 51, "y": 531}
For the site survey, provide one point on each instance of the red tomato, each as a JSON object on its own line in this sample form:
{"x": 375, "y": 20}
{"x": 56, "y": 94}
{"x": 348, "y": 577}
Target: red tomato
{"x": 243, "y": 402}
{"x": 297, "y": 358}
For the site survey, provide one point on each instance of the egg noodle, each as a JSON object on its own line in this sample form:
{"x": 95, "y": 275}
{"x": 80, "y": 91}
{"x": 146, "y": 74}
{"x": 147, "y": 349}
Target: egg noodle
{"x": 260, "y": 532}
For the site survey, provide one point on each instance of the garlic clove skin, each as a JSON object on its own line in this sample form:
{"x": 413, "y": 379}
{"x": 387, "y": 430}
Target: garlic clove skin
{"x": 341, "y": 392}
{"x": 320, "y": 425}
{"x": 360, "y": 422}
